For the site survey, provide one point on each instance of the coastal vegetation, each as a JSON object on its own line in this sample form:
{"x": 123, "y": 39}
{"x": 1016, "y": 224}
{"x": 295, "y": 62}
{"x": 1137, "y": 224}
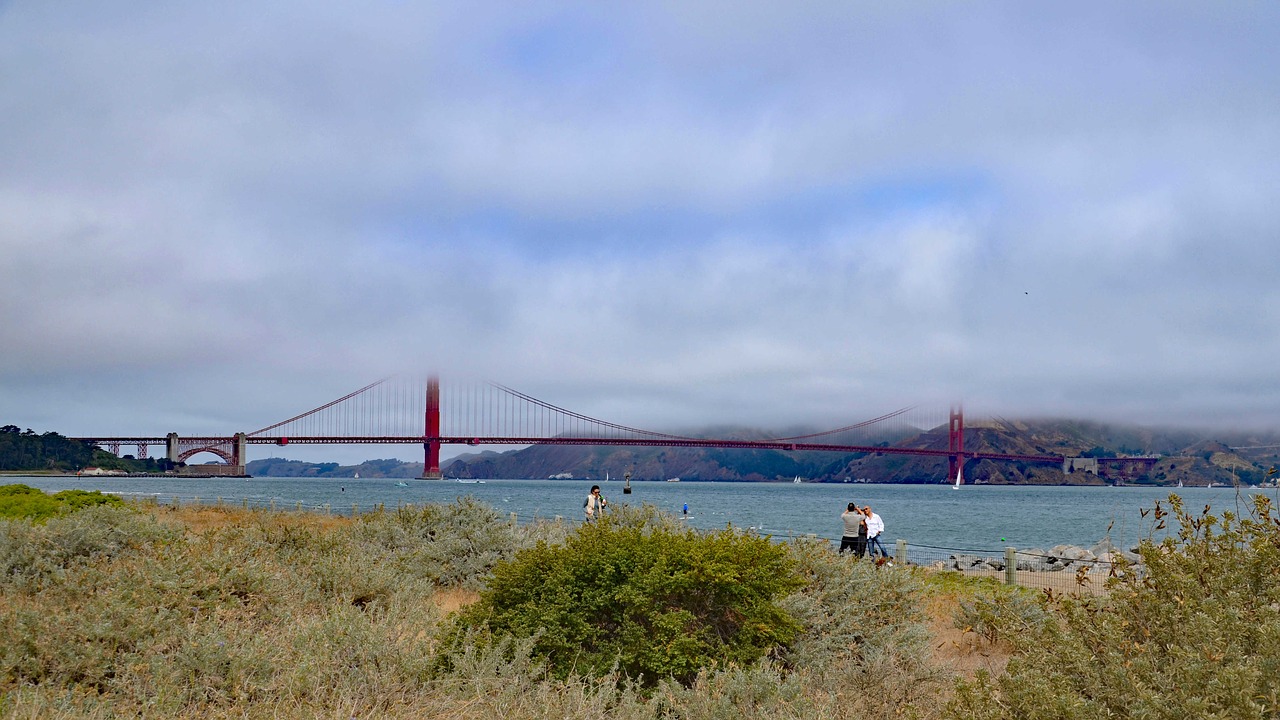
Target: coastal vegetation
{"x": 636, "y": 592}
{"x": 22, "y": 501}
{"x": 151, "y": 610}
{"x": 1195, "y": 633}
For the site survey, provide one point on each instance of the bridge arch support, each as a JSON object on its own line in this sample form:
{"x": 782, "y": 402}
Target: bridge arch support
{"x": 230, "y": 450}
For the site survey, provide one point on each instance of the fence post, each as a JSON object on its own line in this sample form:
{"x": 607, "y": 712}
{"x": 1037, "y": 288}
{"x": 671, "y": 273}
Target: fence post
{"x": 900, "y": 552}
{"x": 176, "y": 504}
{"x": 326, "y": 508}
{"x": 244, "y": 502}
{"x": 355, "y": 509}
{"x": 1010, "y": 566}
{"x": 298, "y": 507}
{"x": 513, "y": 520}
{"x": 196, "y": 501}
{"x": 273, "y": 505}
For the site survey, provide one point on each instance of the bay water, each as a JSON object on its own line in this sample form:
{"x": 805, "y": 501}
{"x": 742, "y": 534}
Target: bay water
{"x": 980, "y": 519}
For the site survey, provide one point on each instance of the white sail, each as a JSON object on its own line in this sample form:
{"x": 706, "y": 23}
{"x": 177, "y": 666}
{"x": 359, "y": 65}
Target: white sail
{"x": 959, "y": 478}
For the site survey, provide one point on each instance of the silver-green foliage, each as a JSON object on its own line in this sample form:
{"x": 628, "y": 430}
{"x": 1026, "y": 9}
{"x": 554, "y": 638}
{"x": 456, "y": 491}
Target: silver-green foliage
{"x": 454, "y": 544}
{"x": 32, "y": 554}
{"x": 1195, "y": 635}
{"x": 1000, "y": 612}
{"x": 865, "y": 636}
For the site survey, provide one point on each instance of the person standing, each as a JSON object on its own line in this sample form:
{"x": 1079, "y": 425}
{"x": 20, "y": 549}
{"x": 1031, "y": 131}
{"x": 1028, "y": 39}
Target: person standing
{"x": 875, "y": 528}
{"x": 860, "y": 547}
{"x": 852, "y": 519}
{"x": 594, "y": 505}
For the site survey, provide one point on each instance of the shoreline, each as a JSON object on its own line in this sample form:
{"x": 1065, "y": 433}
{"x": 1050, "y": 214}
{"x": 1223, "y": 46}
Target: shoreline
{"x": 182, "y": 476}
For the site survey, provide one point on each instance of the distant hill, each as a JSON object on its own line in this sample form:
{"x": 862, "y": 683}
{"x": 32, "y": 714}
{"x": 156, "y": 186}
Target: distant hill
{"x": 1175, "y": 455}
{"x": 1194, "y": 458}
{"x": 280, "y": 467}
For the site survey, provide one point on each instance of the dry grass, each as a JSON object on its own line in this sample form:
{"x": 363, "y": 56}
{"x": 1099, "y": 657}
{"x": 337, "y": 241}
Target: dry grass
{"x": 199, "y": 519}
{"x": 959, "y": 651}
{"x": 449, "y": 600}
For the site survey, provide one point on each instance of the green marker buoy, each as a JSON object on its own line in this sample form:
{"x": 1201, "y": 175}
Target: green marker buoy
{"x": 1001, "y": 539}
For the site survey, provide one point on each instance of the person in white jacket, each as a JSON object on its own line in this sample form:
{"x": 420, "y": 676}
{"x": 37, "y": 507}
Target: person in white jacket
{"x": 875, "y": 528}
{"x": 593, "y": 507}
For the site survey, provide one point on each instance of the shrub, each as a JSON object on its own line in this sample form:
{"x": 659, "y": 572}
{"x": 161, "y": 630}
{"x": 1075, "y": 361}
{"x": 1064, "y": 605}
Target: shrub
{"x": 1194, "y": 635}
{"x": 637, "y": 590}
{"x": 864, "y": 636}
{"x": 24, "y": 501}
{"x": 73, "y": 500}
{"x": 32, "y": 554}
{"x": 454, "y": 544}
{"x": 1001, "y": 612}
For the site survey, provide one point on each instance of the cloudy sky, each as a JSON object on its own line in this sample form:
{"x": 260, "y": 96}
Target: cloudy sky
{"x": 214, "y": 216}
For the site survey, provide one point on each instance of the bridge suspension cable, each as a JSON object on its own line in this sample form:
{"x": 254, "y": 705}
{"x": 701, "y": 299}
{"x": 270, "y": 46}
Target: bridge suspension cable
{"x": 855, "y": 426}
{"x": 586, "y": 418}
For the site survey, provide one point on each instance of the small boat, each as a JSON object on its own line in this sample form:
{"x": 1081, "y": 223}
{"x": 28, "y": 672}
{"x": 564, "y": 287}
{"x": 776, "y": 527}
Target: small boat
{"x": 402, "y": 484}
{"x": 357, "y": 476}
{"x": 674, "y": 479}
{"x": 797, "y": 480}
{"x": 470, "y": 482}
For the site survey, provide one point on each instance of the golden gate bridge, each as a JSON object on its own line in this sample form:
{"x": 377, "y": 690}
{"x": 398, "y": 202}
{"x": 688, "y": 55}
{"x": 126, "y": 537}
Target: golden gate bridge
{"x": 406, "y": 411}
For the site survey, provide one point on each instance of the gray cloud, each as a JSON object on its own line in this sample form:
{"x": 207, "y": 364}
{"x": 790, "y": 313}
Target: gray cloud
{"x": 213, "y": 218}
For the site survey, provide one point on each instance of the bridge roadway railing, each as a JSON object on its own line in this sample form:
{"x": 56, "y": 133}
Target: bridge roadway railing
{"x": 1080, "y": 573}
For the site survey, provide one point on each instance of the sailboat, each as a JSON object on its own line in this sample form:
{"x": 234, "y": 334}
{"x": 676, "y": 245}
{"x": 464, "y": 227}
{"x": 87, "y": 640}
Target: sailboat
{"x": 959, "y": 478}
{"x": 797, "y": 480}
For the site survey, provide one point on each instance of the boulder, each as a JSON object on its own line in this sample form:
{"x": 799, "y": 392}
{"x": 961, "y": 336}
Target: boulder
{"x": 1071, "y": 553}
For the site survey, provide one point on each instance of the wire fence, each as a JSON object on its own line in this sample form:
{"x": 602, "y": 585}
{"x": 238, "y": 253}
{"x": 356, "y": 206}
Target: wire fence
{"x": 1072, "y": 570}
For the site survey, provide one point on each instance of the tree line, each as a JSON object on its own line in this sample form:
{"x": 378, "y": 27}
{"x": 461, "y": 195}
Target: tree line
{"x": 26, "y": 450}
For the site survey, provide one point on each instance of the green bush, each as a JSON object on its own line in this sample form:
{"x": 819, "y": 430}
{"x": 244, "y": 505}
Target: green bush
{"x": 638, "y": 590}
{"x": 1194, "y": 632}
{"x": 73, "y": 500}
{"x": 24, "y": 501}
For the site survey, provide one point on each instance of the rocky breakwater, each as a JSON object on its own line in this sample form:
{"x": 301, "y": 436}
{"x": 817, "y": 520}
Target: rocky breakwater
{"x": 1058, "y": 558}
